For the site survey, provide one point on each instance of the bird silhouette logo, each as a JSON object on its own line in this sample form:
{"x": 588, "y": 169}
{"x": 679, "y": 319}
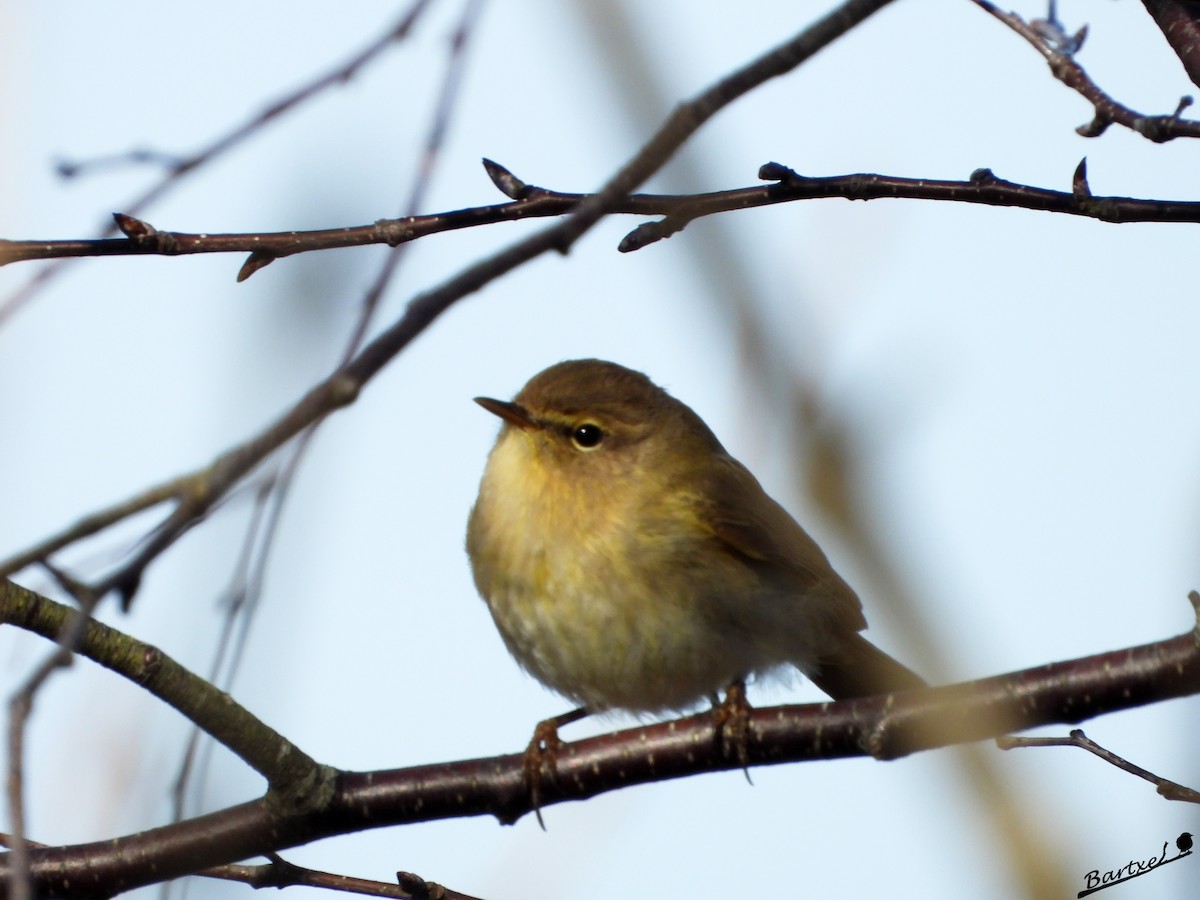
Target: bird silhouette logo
{"x": 1096, "y": 880}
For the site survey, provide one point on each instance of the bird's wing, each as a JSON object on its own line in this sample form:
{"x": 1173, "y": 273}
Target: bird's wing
{"x": 764, "y": 533}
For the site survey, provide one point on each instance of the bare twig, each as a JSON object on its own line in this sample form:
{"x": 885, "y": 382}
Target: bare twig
{"x": 140, "y": 156}
{"x": 279, "y": 873}
{"x": 1169, "y": 789}
{"x": 983, "y": 187}
{"x": 1107, "y": 111}
{"x": 531, "y": 201}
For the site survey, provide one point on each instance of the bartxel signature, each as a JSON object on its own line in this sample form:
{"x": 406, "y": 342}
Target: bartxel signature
{"x": 1098, "y": 881}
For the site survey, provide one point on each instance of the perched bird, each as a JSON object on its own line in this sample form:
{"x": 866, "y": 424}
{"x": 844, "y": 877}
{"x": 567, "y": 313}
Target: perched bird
{"x": 630, "y": 563}
{"x": 1184, "y": 842}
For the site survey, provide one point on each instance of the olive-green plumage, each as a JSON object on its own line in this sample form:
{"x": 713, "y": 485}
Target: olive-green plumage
{"x": 630, "y": 563}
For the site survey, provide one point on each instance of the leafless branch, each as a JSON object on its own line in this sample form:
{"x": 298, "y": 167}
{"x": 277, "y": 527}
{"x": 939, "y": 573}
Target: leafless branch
{"x": 1107, "y": 111}
{"x": 1169, "y": 789}
{"x": 530, "y": 201}
{"x": 279, "y": 873}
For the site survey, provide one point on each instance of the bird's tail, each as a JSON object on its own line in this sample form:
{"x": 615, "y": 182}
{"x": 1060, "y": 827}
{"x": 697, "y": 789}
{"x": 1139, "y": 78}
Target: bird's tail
{"x": 860, "y": 669}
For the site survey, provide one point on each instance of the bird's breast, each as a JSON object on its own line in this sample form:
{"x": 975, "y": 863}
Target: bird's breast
{"x": 593, "y": 594}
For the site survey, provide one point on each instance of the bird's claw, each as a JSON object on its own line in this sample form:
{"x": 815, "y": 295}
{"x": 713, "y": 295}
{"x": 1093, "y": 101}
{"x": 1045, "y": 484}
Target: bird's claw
{"x": 732, "y": 725}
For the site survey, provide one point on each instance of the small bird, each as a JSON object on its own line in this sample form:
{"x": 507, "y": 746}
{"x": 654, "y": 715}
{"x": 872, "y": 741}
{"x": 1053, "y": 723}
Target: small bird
{"x": 630, "y": 563}
{"x": 1184, "y": 842}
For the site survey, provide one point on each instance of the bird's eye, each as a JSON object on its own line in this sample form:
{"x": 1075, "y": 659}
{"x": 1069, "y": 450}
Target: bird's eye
{"x": 587, "y": 436}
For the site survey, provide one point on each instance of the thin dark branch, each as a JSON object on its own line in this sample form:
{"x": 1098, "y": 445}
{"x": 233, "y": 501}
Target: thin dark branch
{"x": 1169, "y": 789}
{"x": 983, "y": 187}
{"x": 882, "y": 727}
{"x": 279, "y": 873}
{"x": 1106, "y": 110}
{"x": 531, "y": 201}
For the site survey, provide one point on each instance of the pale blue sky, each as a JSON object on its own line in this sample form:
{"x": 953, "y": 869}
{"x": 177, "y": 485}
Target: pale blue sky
{"x": 1025, "y": 386}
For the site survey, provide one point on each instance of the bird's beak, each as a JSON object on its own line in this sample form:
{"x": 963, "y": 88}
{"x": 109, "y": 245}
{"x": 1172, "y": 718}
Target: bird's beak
{"x": 513, "y": 413}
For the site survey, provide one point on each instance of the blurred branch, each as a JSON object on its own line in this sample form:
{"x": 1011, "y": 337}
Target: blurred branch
{"x": 95, "y": 523}
{"x": 837, "y": 465}
{"x": 295, "y": 779}
{"x": 531, "y": 201}
{"x": 184, "y": 165}
{"x": 142, "y": 156}
{"x": 195, "y": 494}
{"x": 884, "y": 727}
{"x": 1107, "y": 111}
{"x": 1169, "y": 789}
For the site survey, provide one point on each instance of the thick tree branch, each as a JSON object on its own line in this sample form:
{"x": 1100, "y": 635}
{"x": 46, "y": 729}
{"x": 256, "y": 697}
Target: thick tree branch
{"x": 882, "y": 727}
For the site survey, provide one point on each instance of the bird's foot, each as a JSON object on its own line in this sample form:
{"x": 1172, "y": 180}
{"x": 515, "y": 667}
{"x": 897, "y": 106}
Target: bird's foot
{"x": 732, "y": 725}
{"x": 541, "y": 757}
